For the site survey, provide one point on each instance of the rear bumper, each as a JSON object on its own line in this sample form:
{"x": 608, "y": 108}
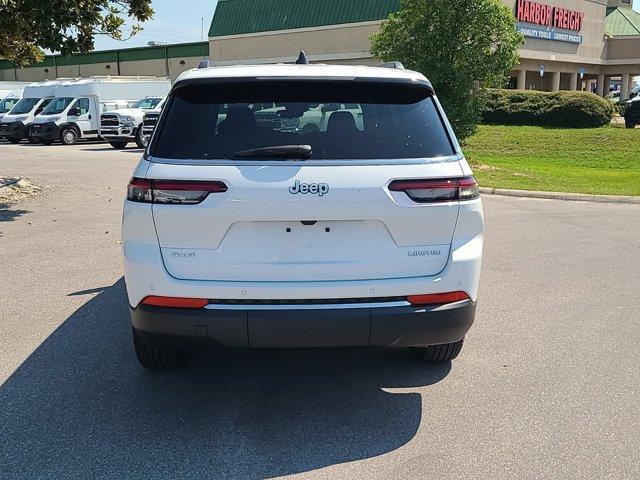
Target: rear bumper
{"x": 343, "y": 326}
{"x": 44, "y": 131}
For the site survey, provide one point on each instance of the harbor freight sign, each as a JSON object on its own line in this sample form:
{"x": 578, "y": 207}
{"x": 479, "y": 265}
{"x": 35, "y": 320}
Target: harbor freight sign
{"x": 533, "y": 15}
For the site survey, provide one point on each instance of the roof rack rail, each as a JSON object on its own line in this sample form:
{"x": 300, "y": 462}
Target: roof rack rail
{"x": 394, "y": 64}
{"x": 205, "y": 64}
{"x": 302, "y": 59}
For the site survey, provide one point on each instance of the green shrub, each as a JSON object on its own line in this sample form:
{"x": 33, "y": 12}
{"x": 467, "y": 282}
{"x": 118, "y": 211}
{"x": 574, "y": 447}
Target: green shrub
{"x": 551, "y": 109}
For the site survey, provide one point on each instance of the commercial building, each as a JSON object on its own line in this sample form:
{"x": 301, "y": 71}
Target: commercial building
{"x": 578, "y": 42}
{"x": 570, "y": 44}
{"x": 162, "y": 60}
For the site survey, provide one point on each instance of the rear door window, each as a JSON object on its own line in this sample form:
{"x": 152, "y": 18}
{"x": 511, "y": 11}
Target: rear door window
{"x": 338, "y": 120}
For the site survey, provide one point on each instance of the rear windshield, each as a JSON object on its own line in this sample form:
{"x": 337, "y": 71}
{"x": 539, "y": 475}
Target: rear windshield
{"x": 338, "y": 120}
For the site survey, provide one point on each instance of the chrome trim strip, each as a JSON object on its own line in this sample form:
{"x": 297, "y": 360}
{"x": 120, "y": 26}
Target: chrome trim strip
{"x": 320, "y": 306}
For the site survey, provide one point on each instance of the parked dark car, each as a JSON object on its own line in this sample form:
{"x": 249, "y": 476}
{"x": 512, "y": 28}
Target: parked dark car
{"x": 632, "y": 112}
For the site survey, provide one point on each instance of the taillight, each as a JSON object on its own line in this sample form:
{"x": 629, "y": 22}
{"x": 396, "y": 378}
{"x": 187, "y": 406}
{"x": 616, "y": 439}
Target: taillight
{"x": 172, "y": 191}
{"x": 437, "y": 190}
{"x": 175, "y": 302}
{"x": 468, "y": 188}
{"x": 437, "y": 298}
{"x": 139, "y": 190}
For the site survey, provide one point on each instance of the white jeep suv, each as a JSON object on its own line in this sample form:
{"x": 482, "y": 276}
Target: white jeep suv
{"x": 365, "y": 231}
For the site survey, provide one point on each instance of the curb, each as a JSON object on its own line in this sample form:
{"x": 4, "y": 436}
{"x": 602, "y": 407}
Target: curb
{"x": 574, "y": 197}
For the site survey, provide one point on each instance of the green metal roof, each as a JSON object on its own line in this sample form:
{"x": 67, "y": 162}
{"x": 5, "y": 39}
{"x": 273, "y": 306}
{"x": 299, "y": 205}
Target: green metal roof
{"x": 622, "y": 22}
{"x": 180, "y": 50}
{"x": 81, "y": 59}
{"x": 249, "y": 16}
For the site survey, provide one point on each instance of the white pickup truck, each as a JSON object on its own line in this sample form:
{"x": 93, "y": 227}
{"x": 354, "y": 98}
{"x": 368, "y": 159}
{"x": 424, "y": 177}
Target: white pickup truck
{"x": 119, "y": 127}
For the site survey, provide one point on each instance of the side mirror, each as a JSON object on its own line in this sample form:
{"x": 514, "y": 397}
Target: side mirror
{"x": 74, "y": 112}
{"x": 633, "y": 95}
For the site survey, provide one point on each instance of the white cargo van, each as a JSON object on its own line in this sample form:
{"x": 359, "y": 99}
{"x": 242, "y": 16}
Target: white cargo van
{"x": 75, "y": 111}
{"x": 119, "y": 127}
{"x": 14, "y": 125}
{"x": 9, "y": 98}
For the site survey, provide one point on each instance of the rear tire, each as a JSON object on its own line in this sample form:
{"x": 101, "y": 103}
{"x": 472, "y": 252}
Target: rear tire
{"x": 118, "y": 145}
{"x": 141, "y": 140}
{"x": 155, "y": 358}
{"x": 442, "y": 353}
{"x": 628, "y": 124}
{"x": 68, "y": 136}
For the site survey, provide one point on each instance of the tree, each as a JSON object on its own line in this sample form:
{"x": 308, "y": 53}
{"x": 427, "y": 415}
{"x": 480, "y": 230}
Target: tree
{"x": 65, "y": 26}
{"x": 459, "y": 45}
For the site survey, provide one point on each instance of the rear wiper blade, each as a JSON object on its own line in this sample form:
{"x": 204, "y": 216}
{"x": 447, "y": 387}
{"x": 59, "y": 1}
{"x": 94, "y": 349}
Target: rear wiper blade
{"x": 279, "y": 151}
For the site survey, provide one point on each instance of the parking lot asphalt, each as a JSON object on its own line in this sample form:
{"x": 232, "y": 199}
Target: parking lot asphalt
{"x": 547, "y": 385}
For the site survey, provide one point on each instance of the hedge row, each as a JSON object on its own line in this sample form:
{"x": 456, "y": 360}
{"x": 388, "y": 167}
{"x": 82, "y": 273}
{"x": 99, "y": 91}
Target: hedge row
{"x": 551, "y": 109}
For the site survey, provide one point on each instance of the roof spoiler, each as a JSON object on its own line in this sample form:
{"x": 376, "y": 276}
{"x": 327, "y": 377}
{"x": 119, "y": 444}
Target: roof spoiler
{"x": 394, "y": 64}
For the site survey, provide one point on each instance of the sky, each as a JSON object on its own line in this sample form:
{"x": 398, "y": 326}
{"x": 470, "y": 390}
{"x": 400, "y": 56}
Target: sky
{"x": 178, "y": 21}
{"x": 175, "y": 21}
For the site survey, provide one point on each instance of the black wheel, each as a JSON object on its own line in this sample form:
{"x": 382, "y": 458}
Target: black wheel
{"x": 141, "y": 138}
{"x": 442, "y": 353}
{"x": 118, "y": 145}
{"x": 155, "y": 358}
{"x": 69, "y": 136}
{"x": 32, "y": 140}
{"x": 14, "y": 139}
{"x": 629, "y": 124}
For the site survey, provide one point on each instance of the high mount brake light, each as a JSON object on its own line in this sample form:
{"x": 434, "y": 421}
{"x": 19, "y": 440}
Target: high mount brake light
{"x": 437, "y": 190}
{"x": 437, "y": 298}
{"x": 172, "y": 191}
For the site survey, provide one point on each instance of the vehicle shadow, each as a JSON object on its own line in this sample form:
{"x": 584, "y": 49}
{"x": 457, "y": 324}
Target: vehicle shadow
{"x": 109, "y": 148}
{"x": 8, "y": 214}
{"x": 58, "y": 144}
{"x": 81, "y": 407}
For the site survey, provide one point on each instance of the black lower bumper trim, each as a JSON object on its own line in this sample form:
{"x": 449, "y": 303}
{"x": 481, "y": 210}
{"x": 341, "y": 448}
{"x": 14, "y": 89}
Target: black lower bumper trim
{"x": 401, "y": 326}
{"x": 49, "y": 132}
{"x": 16, "y": 130}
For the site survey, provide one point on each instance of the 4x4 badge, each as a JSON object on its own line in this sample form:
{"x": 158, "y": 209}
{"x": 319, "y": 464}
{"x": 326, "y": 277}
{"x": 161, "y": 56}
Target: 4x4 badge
{"x": 313, "y": 188}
